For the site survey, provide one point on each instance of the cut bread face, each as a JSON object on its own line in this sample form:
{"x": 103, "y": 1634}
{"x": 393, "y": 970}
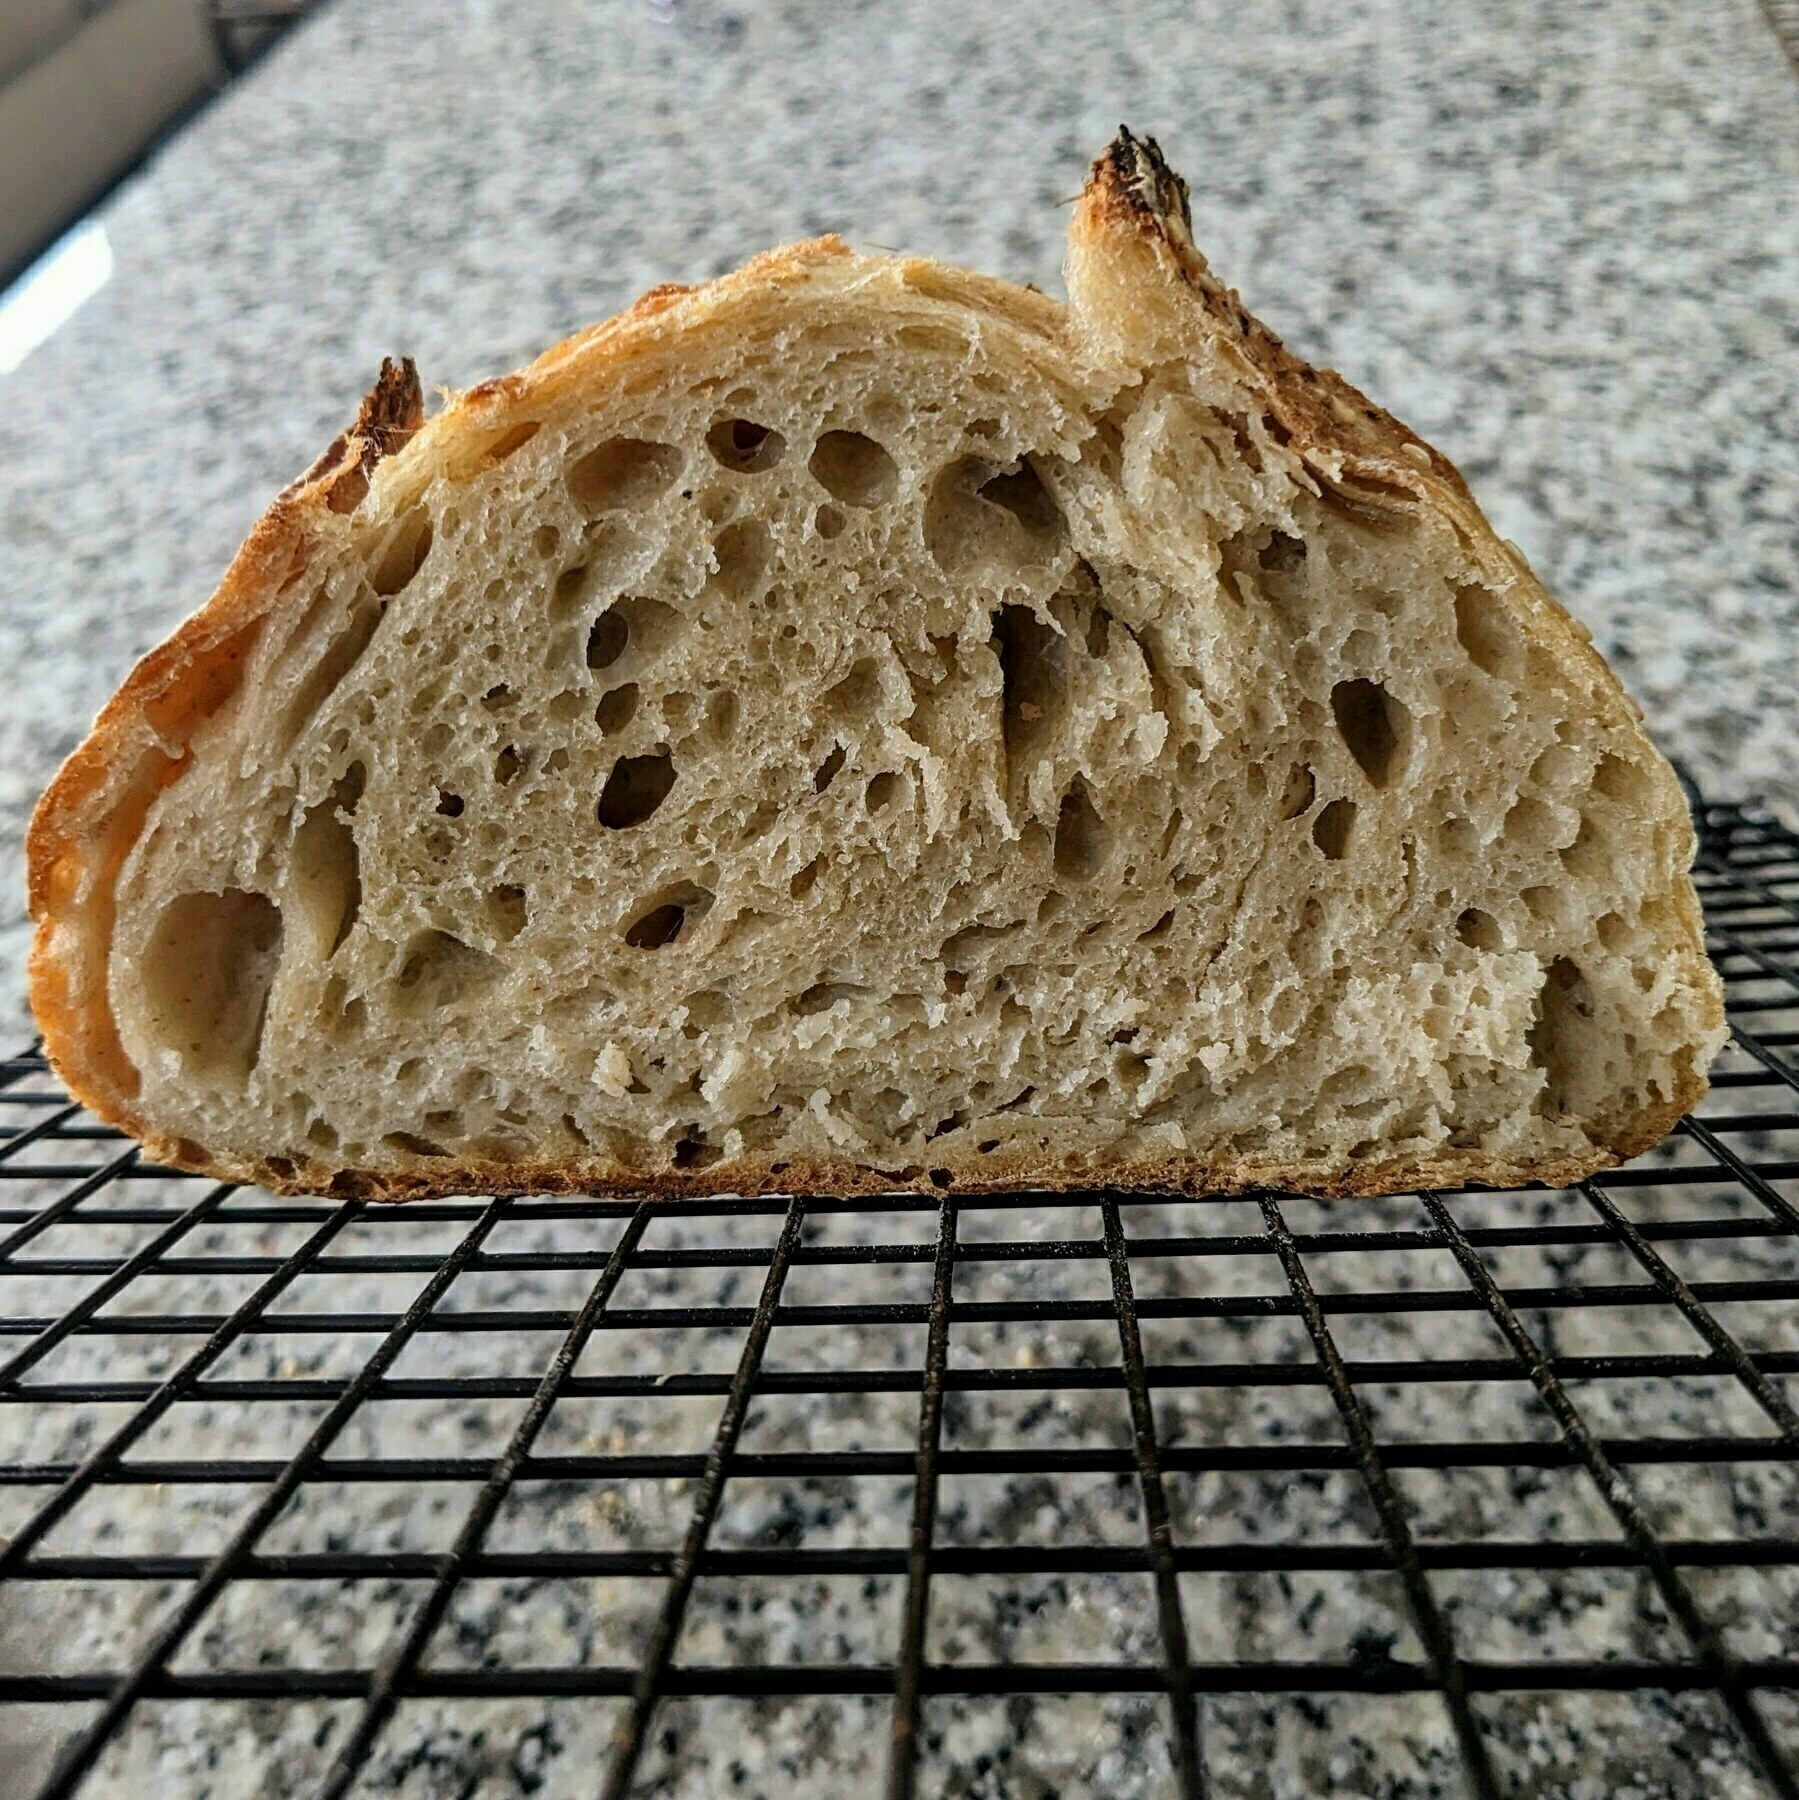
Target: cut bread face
{"x": 856, "y": 725}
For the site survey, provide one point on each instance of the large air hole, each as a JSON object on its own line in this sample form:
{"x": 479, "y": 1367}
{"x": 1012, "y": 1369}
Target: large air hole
{"x": 439, "y": 970}
{"x": 1533, "y": 825}
{"x": 1373, "y": 726}
{"x": 1489, "y": 637}
{"x": 1331, "y": 829}
{"x": 623, "y": 473}
{"x": 1033, "y": 663}
{"x": 1080, "y": 836}
{"x": 854, "y": 469}
{"x": 744, "y": 552}
{"x": 1564, "y": 1042}
{"x": 206, "y": 975}
{"x": 857, "y": 696}
{"x": 324, "y": 884}
{"x": 635, "y": 788}
{"x": 720, "y": 725}
{"x": 693, "y": 1152}
{"x": 327, "y": 674}
{"x": 661, "y": 924}
{"x": 405, "y": 554}
{"x": 745, "y": 446}
{"x": 980, "y": 517}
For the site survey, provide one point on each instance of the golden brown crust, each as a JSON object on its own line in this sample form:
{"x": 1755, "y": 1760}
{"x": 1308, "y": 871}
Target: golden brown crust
{"x": 87, "y": 822}
{"x": 825, "y": 1179}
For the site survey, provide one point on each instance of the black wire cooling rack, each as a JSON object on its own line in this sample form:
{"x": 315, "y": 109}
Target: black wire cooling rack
{"x": 1036, "y": 1494}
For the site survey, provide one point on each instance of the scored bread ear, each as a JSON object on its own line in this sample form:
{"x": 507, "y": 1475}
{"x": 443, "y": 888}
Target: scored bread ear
{"x": 1144, "y": 294}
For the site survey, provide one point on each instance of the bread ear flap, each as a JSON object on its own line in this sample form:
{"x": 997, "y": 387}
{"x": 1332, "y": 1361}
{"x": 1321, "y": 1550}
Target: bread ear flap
{"x": 1132, "y": 263}
{"x": 392, "y": 410}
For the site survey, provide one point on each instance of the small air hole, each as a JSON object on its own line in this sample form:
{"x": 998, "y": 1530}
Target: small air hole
{"x": 1282, "y": 554}
{"x": 506, "y": 766}
{"x": 499, "y": 698}
{"x": 1371, "y": 722}
{"x": 1300, "y": 790}
{"x": 743, "y": 553}
{"x": 662, "y": 923}
{"x": 807, "y": 879}
{"x": 409, "y": 1143}
{"x": 635, "y": 788}
{"x": 1080, "y": 836}
{"x": 828, "y": 522}
{"x": 607, "y": 641}
{"x": 883, "y": 790}
{"x": 506, "y": 910}
{"x": 448, "y": 804}
{"x": 1479, "y": 930}
{"x": 1024, "y": 496}
{"x": 853, "y": 468}
{"x": 827, "y": 771}
{"x": 405, "y": 554}
{"x": 693, "y": 1152}
{"x": 745, "y": 446}
{"x": 1330, "y": 830}
{"x": 616, "y": 709}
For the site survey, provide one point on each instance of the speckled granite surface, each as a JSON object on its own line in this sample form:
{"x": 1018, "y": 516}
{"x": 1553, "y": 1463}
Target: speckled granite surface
{"x": 1555, "y": 237}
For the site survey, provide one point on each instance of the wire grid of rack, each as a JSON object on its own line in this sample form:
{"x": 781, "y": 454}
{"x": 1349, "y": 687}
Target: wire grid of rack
{"x": 1449, "y": 1485}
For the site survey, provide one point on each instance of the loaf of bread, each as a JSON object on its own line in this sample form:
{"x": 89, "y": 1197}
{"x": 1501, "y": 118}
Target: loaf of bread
{"x": 858, "y": 724}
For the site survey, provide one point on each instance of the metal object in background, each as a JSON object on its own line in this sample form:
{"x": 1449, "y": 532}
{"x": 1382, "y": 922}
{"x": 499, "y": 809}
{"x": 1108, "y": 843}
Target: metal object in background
{"x": 115, "y": 1329}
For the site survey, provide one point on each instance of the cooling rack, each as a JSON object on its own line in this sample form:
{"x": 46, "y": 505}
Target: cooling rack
{"x": 1036, "y": 1493}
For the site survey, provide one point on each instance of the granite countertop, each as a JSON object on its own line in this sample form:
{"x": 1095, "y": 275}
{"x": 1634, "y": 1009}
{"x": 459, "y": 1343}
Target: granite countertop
{"x": 1561, "y": 246}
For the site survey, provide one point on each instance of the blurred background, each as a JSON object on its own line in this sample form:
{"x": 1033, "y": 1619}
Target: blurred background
{"x": 1558, "y": 237}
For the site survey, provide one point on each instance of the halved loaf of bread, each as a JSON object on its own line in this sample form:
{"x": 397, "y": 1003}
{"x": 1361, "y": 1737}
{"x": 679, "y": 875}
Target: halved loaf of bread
{"x": 860, "y": 724}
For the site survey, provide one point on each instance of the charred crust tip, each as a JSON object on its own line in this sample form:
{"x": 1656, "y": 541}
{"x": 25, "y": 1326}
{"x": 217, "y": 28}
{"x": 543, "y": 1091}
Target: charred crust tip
{"x": 393, "y": 410}
{"x": 1134, "y": 170}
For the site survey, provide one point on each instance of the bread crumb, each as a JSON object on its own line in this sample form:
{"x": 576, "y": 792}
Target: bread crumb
{"x": 612, "y": 1071}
